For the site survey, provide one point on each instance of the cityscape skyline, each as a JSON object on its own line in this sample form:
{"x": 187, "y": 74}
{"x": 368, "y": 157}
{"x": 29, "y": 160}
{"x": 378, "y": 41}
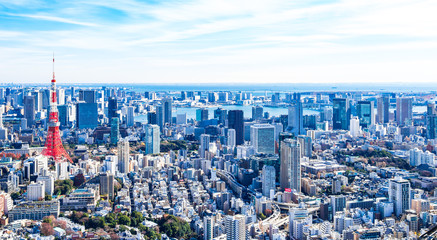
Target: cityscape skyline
{"x": 211, "y": 42}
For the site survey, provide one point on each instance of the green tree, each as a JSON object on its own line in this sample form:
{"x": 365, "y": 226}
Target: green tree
{"x": 124, "y": 220}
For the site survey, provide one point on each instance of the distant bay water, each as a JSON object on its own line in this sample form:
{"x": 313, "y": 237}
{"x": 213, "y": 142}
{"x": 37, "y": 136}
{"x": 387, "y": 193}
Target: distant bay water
{"x": 247, "y": 110}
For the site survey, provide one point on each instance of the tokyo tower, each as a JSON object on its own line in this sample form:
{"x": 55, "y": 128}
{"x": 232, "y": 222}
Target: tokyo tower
{"x": 53, "y": 147}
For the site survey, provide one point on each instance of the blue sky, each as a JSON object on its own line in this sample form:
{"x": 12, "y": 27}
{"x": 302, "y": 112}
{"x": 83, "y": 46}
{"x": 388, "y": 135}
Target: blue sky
{"x": 275, "y": 41}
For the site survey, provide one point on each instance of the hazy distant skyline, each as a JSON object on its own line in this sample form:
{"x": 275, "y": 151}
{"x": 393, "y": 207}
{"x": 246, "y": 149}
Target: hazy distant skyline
{"x": 104, "y": 41}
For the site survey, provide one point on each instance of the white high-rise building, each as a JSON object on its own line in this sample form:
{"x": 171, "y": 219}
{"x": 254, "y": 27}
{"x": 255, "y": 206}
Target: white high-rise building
{"x": 399, "y": 194}
{"x": 123, "y": 156}
{"x": 235, "y": 227}
{"x": 355, "y": 126}
{"x": 262, "y": 138}
{"x": 35, "y": 191}
{"x": 61, "y": 170}
{"x": 208, "y": 228}
{"x": 290, "y": 173}
{"x": 268, "y": 179}
{"x": 49, "y": 183}
{"x": 231, "y": 138}
{"x": 299, "y": 218}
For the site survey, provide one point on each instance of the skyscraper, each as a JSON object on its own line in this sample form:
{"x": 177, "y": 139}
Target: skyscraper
{"x": 383, "y": 109}
{"x": 231, "y": 137}
{"x": 115, "y": 130}
{"x": 107, "y": 184}
{"x": 290, "y": 174}
{"x": 257, "y": 113}
{"x": 112, "y": 107}
{"x": 167, "y": 103}
{"x": 404, "y": 110}
{"x": 221, "y": 115}
{"x": 204, "y": 144}
{"x": 86, "y": 115}
{"x": 399, "y": 194}
{"x": 123, "y": 156}
{"x": 262, "y": 137}
{"x": 235, "y": 121}
{"x": 164, "y": 113}
{"x": 201, "y": 114}
{"x": 235, "y": 227}
{"x": 29, "y": 110}
{"x": 208, "y": 228}
{"x": 355, "y": 126}
{"x": 295, "y": 118}
{"x": 365, "y": 113}
{"x": 64, "y": 115}
{"x": 268, "y": 179}
{"x": 88, "y": 96}
{"x": 130, "y": 116}
{"x": 341, "y": 114}
{"x": 152, "y": 139}
{"x": 306, "y": 146}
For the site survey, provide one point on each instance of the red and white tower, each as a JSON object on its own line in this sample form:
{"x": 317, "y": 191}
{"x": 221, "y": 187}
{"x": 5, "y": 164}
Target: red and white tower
{"x": 53, "y": 147}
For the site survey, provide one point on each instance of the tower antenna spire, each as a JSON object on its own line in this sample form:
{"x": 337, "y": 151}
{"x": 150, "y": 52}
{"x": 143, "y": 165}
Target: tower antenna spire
{"x": 53, "y": 65}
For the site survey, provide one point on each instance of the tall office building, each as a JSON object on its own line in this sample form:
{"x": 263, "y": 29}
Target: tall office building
{"x": 49, "y": 183}
{"x": 152, "y": 139}
{"x": 35, "y": 191}
{"x": 130, "y": 116}
{"x": 29, "y": 110}
{"x": 399, "y": 194}
{"x": 338, "y": 203}
{"x": 404, "y": 110}
{"x": 201, "y": 114}
{"x": 341, "y": 114}
{"x": 383, "y": 109}
{"x": 306, "y": 146}
{"x": 235, "y": 227}
{"x": 112, "y": 107}
{"x": 268, "y": 179}
{"x": 208, "y": 228}
{"x": 152, "y": 118}
{"x": 123, "y": 156}
{"x": 431, "y": 122}
{"x": 86, "y": 115}
{"x": 107, "y": 184}
{"x": 204, "y": 144}
{"x": 295, "y": 118}
{"x": 355, "y": 126}
{"x": 88, "y": 96}
{"x": 290, "y": 174}
{"x": 366, "y": 113}
{"x": 64, "y": 115}
{"x": 164, "y": 113}
{"x": 257, "y": 113}
{"x": 37, "y": 95}
{"x": 3, "y": 130}
{"x": 115, "y": 130}
{"x": 236, "y": 121}
{"x": 167, "y": 103}
{"x": 221, "y": 114}
{"x": 262, "y": 138}
{"x": 231, "y": 138}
